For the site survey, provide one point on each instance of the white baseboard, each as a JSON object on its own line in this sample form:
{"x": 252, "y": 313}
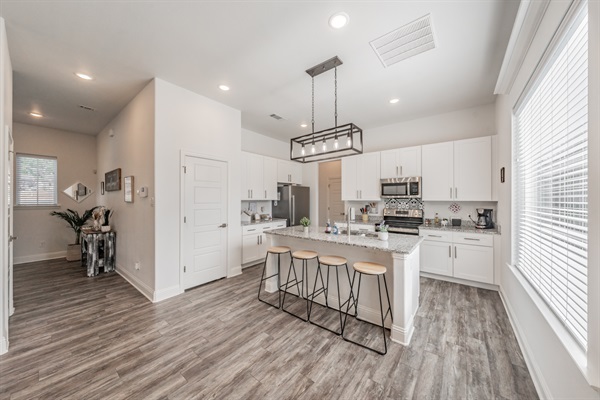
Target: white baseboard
{"x": 3, "y": 345}
{"x": 39, "y": 257}
{"x": 538, "y": 380}
{"x": 235, "y": 271}
{"x": 401, "y": 335}
{"x": 136, "y": 283}
{"x": 167, "y": 293}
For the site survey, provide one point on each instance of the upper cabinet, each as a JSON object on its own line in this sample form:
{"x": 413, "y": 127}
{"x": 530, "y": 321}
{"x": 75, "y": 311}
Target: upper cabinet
{"x": 360, "y": 177}
{"x": 289, "y": 172}
{"x": 258, "y": 177}
{"x": 401, "y": 162}
{"x": 457, "y": 171}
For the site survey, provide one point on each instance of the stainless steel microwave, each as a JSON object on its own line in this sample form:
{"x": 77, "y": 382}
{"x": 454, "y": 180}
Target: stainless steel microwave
{"x": 401, "y": 188}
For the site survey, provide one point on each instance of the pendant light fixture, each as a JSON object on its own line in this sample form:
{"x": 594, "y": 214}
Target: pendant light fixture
{"x": 353, "y": 134}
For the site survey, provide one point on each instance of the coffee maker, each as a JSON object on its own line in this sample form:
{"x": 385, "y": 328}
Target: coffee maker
{"x": 484, "y": 218}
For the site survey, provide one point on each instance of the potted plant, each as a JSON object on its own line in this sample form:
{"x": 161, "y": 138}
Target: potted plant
{"x": 383, "y": 232}
{"x": 305, "y": 222}
{"x": 76, "y": 222}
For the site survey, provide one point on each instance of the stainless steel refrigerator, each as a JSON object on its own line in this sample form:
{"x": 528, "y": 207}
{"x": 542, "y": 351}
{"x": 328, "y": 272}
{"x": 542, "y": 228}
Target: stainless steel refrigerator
{"x": 293, "y": 203}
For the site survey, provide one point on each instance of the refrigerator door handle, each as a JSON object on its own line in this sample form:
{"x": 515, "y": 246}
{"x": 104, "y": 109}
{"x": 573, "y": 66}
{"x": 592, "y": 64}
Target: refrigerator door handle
{"x": 293, "y": 210}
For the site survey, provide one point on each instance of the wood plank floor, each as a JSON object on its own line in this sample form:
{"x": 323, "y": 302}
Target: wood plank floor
{"x": 74, "y": 337}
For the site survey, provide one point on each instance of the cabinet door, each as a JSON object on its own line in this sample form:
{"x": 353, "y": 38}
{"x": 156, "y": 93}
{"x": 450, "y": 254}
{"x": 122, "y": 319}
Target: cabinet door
{"x": 255, "y": 176}
{"x": 436, "y": 257}
{"x": 409, "y": 161}
{"x": 349, "y": 188}
{"x": 245, "y": 176}
{"x": 437, "y": 170}
{"x": 389, "y": 164}
{"x": 263, "y": 245}
{"x": 269, "y": 178}
{"x": 475, "y": 263}
{"x": 473, "y": 169}
{"x": 296, "y": 172}
{"x": 367, "y": 176}
{"x": 251, "y": 248}
{"x": 284, "y": 171}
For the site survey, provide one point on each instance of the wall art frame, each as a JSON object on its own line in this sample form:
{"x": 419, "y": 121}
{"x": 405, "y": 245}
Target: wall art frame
{"x": 112, "y": 180}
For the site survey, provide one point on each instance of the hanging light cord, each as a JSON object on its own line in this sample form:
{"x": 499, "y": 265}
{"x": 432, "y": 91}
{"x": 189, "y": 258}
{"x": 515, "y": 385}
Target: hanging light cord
{"x": 335, "y": 95}
{"x": 313, "y": 104}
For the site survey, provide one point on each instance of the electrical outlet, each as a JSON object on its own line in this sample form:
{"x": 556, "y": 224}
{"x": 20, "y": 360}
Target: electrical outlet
{"x": 42, "y": 244}
{"x": 138, "y": 265}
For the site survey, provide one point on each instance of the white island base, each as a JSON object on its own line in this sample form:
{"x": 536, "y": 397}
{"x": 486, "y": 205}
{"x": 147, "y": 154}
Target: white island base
{"x": 400, "y": 255}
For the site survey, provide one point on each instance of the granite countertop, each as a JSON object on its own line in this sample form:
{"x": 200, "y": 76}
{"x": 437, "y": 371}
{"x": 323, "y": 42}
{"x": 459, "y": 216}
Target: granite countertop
{"x": 373, "y": 219}
{"x": 263, "y": 221}
{"x": 397, "y": 243}
{"x": 468, "y": 227}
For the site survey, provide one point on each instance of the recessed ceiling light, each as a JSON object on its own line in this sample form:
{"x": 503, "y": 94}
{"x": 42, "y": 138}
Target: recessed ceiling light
{"x": 303, "y": 125}
{"x": 83, "y": 76}
{"x": 35, "y": 114}
{"x": 224, "y": 87}
{"x": 339, "y": 20}
{"x": 394, "y": 101}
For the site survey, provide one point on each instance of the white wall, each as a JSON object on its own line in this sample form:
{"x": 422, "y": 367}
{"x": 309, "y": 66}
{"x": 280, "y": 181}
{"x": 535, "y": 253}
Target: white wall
{"x": 132, "y": 150}
{"x": 256, "y": 143}
{"x": 42, "y": 236}
{"x": 462, "y": 124}
{"x": 327, "y": 170}
{"x": 186, "y": 121}
{"x": 553, "y": 369}
{"x": 5, "y": 121}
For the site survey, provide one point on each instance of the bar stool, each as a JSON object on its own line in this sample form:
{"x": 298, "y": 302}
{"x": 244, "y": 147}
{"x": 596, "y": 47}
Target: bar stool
{"x": 336, "y": 262}
{"x": 305, "y": 256}
{"x": 370, "y": 269}
{"x": 275, "y": 250}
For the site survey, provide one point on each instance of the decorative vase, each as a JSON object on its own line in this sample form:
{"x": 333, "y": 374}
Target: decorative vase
{"x": 383, "y": 235}
{"x": 365, "y": 217}
{"x": 305, "y": 229}
{"x": 105, "y": 228}
{"x": 74, "y": 252}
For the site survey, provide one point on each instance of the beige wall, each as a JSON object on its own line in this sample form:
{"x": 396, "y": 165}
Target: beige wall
{"x": 331, "y": 169}
{"x": 132, "y": 149}
{"x": 42, "y": 236}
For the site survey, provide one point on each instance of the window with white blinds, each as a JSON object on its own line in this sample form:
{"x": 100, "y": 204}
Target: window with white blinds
{"x": 550, "y": 208}
{"x": 35, "y": 180}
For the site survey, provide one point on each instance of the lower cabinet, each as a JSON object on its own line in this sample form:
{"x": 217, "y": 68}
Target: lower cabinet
{"x": 460, "y": 255}
{"x": 254, "y": 240}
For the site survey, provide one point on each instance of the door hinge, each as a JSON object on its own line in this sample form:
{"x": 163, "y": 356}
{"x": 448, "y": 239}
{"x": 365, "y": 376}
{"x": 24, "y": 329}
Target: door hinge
{"x": 184, "y": 268}
{"x": 184, "y": 169}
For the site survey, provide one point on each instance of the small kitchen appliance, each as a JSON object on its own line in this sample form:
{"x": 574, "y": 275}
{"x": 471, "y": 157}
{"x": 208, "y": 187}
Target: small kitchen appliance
{"x": 484, "y": 218}
{"x": 401, "y": 188}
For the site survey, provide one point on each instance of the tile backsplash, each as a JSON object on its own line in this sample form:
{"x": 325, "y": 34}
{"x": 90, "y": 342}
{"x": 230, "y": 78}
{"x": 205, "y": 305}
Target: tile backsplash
{"x": 450, "y": 210}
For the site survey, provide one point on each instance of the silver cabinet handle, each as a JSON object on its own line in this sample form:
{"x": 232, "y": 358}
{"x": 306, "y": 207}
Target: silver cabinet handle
{"x": 257, "y": 240}
{"x": 476, "y": 240}
{"x": 248, "y": 193}
{"x": 265, "y": 193}
{"x": 450, "y": 192}
{"x": 251, "y": 230}
{"x": 456, "y": 193}
{"x": 455, "y": 252}
{"x": 397, "y": 173}
{"x": 260, "y": 239}
{"x": 224, "y": 225}
{"x": 434, "y": 236}
{"x": 450, "y": 251}
{"x": 401, "y": 170}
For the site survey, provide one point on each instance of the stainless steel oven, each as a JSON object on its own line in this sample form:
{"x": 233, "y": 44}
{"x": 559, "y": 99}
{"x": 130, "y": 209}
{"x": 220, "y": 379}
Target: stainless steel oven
{"x": 401, "y": 188}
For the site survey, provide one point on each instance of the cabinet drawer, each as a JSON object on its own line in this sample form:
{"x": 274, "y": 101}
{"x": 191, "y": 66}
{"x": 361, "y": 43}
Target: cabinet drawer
{"x": 436, "y": 236}
{"x": 475, "y": 239}
{"x": 251, "y": 229}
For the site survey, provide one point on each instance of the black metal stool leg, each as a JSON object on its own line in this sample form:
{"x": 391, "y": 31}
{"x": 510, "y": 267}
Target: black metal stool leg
{"x": 299, "y": 286}
{"x": 382, "y": 317}
{"x": 263, "y": 279}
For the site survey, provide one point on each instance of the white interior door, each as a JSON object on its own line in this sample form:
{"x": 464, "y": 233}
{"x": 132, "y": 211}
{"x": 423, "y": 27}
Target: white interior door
{"x": 205, "y": 221}
{"x": 10, "y": 234}
{"x": 335, "y": 205}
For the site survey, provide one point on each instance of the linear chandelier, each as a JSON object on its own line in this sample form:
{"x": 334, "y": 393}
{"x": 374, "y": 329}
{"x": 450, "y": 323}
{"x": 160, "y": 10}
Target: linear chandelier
{"x": 336, "y": 142}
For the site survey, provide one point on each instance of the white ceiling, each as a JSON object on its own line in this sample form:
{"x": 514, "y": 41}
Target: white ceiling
{"x": 260, "y": 49}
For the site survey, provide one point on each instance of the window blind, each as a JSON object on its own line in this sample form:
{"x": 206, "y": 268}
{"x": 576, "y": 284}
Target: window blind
{"x": 35, "y": 180}
{"x": 550, "y": 209}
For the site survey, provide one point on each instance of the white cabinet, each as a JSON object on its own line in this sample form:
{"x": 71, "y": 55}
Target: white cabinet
{"x": 259, "y": 177}
{"x": 360, "y": 177}
{"x": 254, "y": 240}
{"x": 401, "y": 162}
{"x": 289, "y": 172}
{"x": 460, "y": 255}
{"x": 460, "y": 170}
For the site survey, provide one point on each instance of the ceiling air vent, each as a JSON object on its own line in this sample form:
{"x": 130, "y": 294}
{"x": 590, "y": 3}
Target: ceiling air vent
{"x": 405, "y": 42}
{"x": 86, "y": 108}
{"x": 275, "y": 116}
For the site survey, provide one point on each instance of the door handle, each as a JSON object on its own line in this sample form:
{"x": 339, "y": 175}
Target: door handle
{"x": 224, "y": 225}
{"x": 12, "y": 238}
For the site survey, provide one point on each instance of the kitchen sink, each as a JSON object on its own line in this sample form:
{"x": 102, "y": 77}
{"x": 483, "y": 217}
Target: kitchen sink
{"x": 368, "y": 234}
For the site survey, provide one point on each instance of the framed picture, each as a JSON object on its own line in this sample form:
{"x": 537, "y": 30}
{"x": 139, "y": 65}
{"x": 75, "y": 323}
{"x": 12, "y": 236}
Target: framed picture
{"x": 112, "y": 180}
{"x": 128, "y": 181}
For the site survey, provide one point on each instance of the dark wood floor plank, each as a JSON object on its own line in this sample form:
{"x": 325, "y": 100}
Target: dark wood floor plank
{"x": 98, "y": 338}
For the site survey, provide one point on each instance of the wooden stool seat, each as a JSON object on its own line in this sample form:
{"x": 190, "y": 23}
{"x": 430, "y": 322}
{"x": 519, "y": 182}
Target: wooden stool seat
{"x": 305, "y": 254}
{"x": 369, "y": 268}
{"x": 279, "y": 249}
{"x": 334, "y": 261}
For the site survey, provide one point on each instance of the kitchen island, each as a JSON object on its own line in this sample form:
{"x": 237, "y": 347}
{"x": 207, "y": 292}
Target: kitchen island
{"x": 400, "y": 255}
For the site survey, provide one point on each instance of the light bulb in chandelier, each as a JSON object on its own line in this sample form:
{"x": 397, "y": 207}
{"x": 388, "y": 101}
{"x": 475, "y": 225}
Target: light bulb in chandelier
{"x": 313, "y": 149}
{"x": 349, "y": 141}
{"x": 303, "y": 151}
{"x": 324, "y": 145}
{"x": 336, "y": 144}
